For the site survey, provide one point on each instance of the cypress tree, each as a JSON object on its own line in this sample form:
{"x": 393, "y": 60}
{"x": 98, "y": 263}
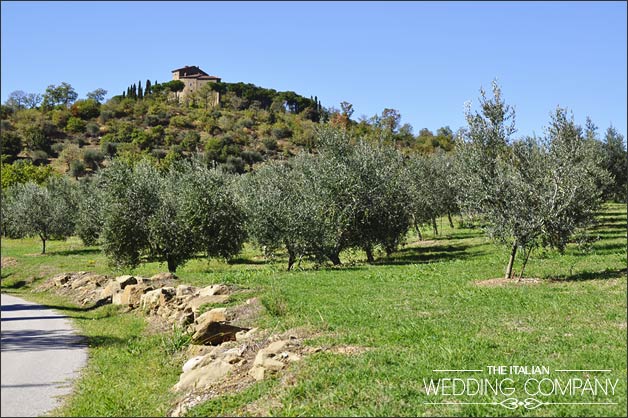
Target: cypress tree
{"x": 123, "y": 94}
{"x": 147, "y": 88}
{"x": 140, "y": 93}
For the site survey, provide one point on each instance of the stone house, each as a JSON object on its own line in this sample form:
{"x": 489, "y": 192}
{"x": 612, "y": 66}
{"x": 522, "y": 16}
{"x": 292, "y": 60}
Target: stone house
{"x": 194, "y": 78}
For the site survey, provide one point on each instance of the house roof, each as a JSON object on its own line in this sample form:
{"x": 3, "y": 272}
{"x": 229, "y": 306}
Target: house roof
{"x": 190, "y": 69}
{"x": 194, "y": 72}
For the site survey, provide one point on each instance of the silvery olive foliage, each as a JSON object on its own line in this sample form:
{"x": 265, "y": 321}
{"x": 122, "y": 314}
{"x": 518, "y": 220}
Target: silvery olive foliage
{"x": 89, "y": 216}
{"x": 46, "y": 211}
{"x": 169, "y": 216}
{"x": 281, "y": 211}
{"x": 379, "y": 197}
{"x": 347, "y": 195}
{"x": 209, "y": 208}
{"x": 131, "y": 197}
{"x": 527, "y": 192}
{"x": 431, "y": 183}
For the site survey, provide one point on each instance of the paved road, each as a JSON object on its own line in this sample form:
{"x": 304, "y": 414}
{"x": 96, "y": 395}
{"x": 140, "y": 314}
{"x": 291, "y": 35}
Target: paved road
{"x": 40, "y": 355}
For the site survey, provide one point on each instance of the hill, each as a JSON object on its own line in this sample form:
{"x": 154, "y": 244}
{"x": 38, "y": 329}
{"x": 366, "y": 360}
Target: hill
{"x": 249, "y": 124}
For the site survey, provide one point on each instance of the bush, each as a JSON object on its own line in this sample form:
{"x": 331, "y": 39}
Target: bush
{"x": 92, "y": 129}
{"x": 75, "y": 125}
{"x": 270, "y": 144}
{"x": 85, "y": 109}
{"x": 57, "y": 148}
{"x": 39, "y": 157}
{"x": 23, "y": 172}
{"x": 11, "y": 144}
{"x": 77, "y": 169}
{"x": 281, "y": 131}
{"x": 93, "y": 158}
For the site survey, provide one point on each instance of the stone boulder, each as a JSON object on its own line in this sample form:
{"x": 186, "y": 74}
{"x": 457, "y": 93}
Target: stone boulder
{"x": 61, "y": 279}
{"x": 215, "y": 289}
{"x": 154, "y": 298}
{"x": 131, "y": 295}
{"x": 126, "y": 280}
{"x": 215, "y": 315}
{"x": 159, "y": 280}
{"x": 184, "y": 290}
{"x": 203, "y": 375}
{"x": 273, "y": 358}
{"x": 110, "y": 289}
{"x": 213, "y": 333}
{"x": 198, "y": 301}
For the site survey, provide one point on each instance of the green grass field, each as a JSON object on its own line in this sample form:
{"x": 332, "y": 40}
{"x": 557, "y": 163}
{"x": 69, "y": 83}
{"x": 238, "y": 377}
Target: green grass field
{"x": 415, "y": 313}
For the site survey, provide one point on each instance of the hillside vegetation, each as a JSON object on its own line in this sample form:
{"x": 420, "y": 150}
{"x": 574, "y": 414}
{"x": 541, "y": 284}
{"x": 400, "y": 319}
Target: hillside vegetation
{"x": 251, "y": 124}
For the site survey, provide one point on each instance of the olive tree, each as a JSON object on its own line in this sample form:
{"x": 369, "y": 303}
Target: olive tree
{"x": 527, "y": 192}
{"x": 575, "y": 180}
{"x": 131, "y": 198}
{"x": 209, "y": 208}
{"x": 46, "y": 211}
{"x": 270, "y": 199}
{"x": 316, "y": 205}
{"x": 169, "y": 216}
{"x": 89, "y": 216}
{"x": 381, "y": 198}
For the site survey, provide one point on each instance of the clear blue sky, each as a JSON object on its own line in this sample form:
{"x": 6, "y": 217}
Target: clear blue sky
{"x": 424, "y": 59}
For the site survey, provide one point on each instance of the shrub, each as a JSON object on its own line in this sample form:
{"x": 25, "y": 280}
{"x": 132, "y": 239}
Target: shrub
{"x": 39, "y": 157}
{"x": 10, "y": 143}
{"x": 23, "y": 172}
{"x": 92, "y": 129}
{"x": 281, "y": 131}
{"x": 93, "y": 158}
{"x": 270, "y": 144}
{"x": 77, "y": 169}
{"x": 75, "y": 125}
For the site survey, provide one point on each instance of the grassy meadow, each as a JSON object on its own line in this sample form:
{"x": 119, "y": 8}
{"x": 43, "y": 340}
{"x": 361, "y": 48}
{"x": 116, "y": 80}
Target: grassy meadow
{"x": 406, "y": 316}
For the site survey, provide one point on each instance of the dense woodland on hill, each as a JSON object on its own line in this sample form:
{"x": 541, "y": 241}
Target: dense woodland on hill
{"x": 251, "y": 124}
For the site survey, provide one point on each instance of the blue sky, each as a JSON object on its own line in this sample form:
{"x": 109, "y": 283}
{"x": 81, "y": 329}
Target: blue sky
{"x": 424, "y": 59}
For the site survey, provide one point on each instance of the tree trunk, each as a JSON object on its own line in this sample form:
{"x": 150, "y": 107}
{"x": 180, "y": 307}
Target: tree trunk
{"x": 172, "y": 267}
{"x": 434, "y": 226}
{"x": 335, "y": 258}
{"x": 43, "y": 244}
{"x": 525, "y": 263}
{"x": 451, "y": 222}
{"x": 369, "y": 254}
{"x": 291, "y": 259}
{"x": 511, "y": 262}
{"x": 418, "y": 231}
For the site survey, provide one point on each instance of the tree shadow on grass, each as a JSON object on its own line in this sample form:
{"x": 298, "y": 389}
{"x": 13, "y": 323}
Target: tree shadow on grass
{"x": 459, "y": 235}
{"x": 83, "y": 251}
{"x": 245, "y": 261}
{"x": 30, "y": 307}
{"x": 38, "y": 340}
{"x": 592, "y": 275}
{"x": 431, "y": 254}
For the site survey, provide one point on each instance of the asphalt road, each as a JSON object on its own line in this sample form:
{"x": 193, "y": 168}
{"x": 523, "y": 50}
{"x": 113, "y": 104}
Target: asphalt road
{"x": 40, "y": 355}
